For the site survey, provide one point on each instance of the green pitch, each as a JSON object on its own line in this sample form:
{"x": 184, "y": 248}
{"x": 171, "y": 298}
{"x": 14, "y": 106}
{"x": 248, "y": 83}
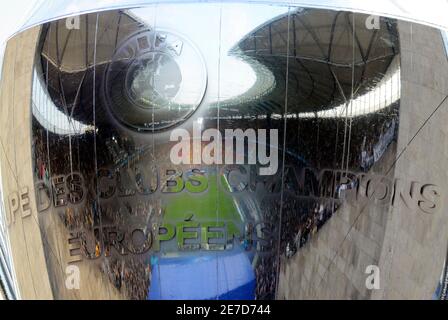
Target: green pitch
{"x": 210, "y": 205}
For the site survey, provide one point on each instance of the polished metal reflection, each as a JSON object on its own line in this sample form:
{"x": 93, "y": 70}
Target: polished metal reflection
{"x": 107, "y": 96}
{"x": 154, "y": 79}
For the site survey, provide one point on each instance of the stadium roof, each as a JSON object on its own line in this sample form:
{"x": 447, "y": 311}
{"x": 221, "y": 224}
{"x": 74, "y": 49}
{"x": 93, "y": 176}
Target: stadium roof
{"x": 331, "y": 57}
{"x": 432, "y": 13}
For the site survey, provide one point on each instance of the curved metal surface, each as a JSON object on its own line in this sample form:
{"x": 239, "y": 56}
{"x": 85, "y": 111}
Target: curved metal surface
{"x": 258, "y": 151}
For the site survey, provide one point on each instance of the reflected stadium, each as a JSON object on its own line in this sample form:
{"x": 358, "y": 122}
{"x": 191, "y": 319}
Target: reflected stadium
{"x": 351, "y": 106}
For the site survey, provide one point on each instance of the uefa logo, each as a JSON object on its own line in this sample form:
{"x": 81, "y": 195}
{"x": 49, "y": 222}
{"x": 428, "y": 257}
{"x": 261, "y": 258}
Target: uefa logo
{"x": 156, "y": 79}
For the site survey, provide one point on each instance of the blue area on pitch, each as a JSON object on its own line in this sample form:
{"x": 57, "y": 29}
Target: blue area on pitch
{"x": 211, "y": 276}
